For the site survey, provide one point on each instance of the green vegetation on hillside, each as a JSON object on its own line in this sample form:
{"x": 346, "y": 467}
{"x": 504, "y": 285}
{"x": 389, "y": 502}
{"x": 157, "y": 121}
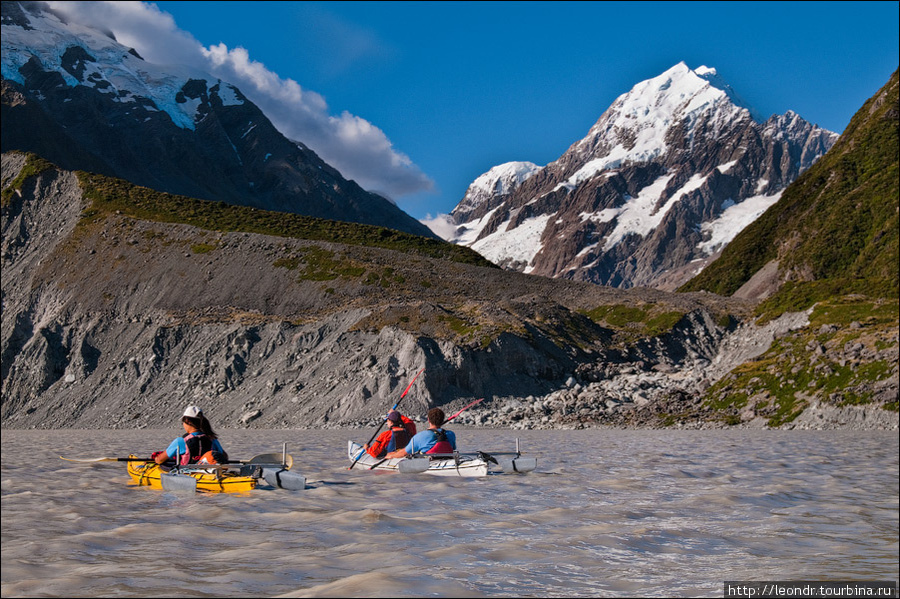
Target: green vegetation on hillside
{"x": 837, "y": 360}
{"x": 109, "y": 195}
{"x": 635, "y": 321}
{"x": 320, "y": 264}
{"x": 34, "y": 165}
{"x": 463, "y": 323}
{"x": 835, "y": 229}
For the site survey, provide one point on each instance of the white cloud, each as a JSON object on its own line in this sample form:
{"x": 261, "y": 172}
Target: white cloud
{"x": 357, "y": 148}
{"x": 441, "y": 225}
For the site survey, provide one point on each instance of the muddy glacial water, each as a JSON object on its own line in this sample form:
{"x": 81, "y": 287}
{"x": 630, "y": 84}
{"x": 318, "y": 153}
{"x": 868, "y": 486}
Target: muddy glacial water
{"x": 607, "y": 513}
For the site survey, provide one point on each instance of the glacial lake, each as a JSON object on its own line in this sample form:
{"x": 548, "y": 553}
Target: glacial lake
{"x": 607, "y": 513}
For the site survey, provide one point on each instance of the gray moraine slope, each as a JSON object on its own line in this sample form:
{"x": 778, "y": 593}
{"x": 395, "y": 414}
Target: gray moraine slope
{"x": 110, "y": 321}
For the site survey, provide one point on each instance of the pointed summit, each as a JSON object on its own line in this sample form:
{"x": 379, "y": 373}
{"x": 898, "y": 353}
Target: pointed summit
{"x": 636, "y": 127}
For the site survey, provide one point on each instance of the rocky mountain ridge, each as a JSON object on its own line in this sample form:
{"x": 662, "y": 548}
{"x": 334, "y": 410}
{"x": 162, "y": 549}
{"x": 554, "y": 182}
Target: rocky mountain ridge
{"x": 77, "y": 97}
{"x": 660, "y": 184}
{"x": 110, "y": 320}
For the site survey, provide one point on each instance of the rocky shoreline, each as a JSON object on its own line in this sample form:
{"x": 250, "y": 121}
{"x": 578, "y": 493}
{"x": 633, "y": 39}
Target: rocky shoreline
{"x": 578, "y": 409}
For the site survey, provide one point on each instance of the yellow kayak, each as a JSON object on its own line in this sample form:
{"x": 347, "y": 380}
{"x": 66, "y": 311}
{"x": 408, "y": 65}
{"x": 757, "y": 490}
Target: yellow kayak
{"x": 213, "y": 480}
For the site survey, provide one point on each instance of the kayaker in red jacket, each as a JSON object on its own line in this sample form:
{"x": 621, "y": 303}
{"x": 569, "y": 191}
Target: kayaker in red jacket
{"x": 400, "y": 430}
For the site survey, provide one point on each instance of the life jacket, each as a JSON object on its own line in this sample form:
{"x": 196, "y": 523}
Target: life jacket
{"x": 399, "y": 438}
{"x": 442, "y": 445}
{"x": 200, "y": 449}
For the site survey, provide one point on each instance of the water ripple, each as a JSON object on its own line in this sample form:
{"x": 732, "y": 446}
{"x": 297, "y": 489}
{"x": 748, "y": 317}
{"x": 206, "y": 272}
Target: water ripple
{"x": 659, "y": 514}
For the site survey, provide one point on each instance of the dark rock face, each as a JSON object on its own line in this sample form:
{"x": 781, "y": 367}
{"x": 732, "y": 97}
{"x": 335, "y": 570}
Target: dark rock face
{"x": 80, "y": 119}
{"x": 644, "y": 198}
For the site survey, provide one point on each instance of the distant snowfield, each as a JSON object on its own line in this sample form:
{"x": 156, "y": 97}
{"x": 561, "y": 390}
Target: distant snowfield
{"x": 638, "y": 215}
{"x": 126, "y": 74}
{"x": 733, "y": 220}
{"x": 519, "y": 245}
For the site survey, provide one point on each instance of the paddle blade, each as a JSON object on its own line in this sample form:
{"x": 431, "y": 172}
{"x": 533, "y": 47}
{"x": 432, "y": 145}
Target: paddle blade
{"x": 413, "y": 465}
{"x": 517, "y": 464}
{"x": 284, "y": 479}
{"x": 477, "y": 401}
{"x": 272, "y": 459}
{"x": 178, "y": 482}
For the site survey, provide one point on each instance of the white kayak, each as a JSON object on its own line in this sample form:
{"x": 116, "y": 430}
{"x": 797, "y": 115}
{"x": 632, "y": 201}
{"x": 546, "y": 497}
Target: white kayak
{"x": 456, "y": 464}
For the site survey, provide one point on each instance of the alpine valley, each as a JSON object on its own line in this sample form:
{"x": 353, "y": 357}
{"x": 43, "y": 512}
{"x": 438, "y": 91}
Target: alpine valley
{"x": 164, "y": 244}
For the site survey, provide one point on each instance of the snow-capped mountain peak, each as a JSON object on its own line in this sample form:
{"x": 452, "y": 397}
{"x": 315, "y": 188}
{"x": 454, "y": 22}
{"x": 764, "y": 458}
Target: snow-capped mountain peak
{"x": 499, "y": 181}
{"x": 89, "y": 57}
{"x": 636, "y": 126}
{"x": 485, "y": 193}
{"x": 667, "y": 176}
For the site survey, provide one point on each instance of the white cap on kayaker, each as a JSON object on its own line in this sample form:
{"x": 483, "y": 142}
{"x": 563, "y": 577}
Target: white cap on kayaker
{"x": 193, "y": 412}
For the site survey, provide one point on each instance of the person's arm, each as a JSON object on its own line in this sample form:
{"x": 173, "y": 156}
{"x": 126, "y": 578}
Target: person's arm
{"x": 171, "y": 451}
{"x": 379, "y": 445}
{"x": 405, "y": 451}
{"x": 218, "y": 447}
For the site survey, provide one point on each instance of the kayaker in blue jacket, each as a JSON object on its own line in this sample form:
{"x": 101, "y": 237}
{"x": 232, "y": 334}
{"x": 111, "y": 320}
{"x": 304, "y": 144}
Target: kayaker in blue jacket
{"x": 434, "y": 439}
{"x": 200, "y": 442}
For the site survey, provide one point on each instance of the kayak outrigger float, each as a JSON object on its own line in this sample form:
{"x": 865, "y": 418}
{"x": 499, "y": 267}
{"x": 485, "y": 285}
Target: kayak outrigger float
{"x": 455, "y": 464}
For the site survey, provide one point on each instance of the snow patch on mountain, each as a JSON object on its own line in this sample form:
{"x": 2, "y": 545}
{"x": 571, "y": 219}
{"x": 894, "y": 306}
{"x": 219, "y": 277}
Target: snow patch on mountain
{"x": 518, "y": 245}
{"x": 589, "y": 171}
{"x": 639, "y": 214}
{"x": 733, "y": 220}
{"x": 229, "y": 95}
{"x": 724, "y": 168}
{"x": 468, "y": 233}
{"x": 110, "y": 68}
{"x": 499, "y": 181}
{"x": 601, "y": 216}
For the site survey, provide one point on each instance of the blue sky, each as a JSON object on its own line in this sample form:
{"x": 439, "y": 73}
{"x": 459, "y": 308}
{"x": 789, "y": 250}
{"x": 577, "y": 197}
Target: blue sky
{"x": 460, "y": 87}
